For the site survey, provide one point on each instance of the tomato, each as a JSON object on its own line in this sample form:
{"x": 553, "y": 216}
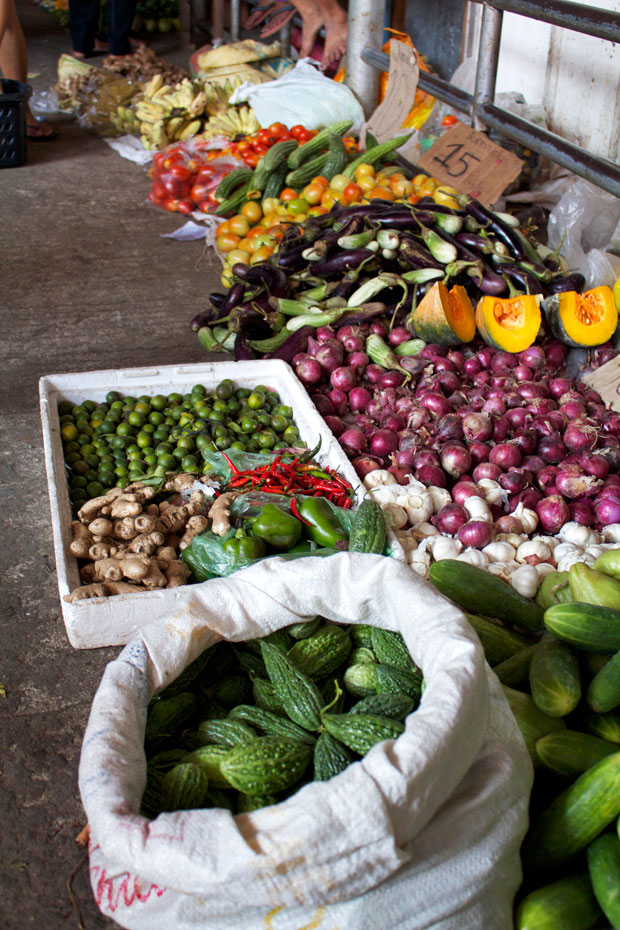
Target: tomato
{"x": 185, "y": 206}
{"x": 449, "y": 120}
{"x": 279, "y": 130}
{"x": 226, "y": 242}
{"x": 252, "y": 210}
{"x": 289, "y": 193}
{"x": 259, "y": 148}
{"x": 244, "y": 145}
{"x": 158, "y": 190}
{"x": 173, "y": 158}
{"x": 205, "y": 206}
{"x": 298, "y": 205}
{"x": 339, "y": 182}
{"x": 208, "y": 171}
{"x": 261, "y": 254}
{"x": 153, "y": 198}
{"x": 300, "y": 133}
{"x": 239, "y": 225}
{"x": 313, "y": 192}
{"x": 265, "y": 137}
{"x": 171, "y": 205}
{"x": 352, "y": 193}
{"x": 251, "y": 159}
{"x": 201, "y": 190}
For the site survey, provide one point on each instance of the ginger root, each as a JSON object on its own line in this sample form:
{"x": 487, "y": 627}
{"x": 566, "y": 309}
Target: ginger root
{"x": 219, "y": 513}
{"x": 82, "y": 540}
{"x": 100, "y": 589}
{"x": 194, "y": 526}
{"x": 176, "y": 573}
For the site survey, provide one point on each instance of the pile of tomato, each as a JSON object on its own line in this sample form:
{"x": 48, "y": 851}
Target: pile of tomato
{"x": 251, "y": 148}
{"x": 185, "y": 176}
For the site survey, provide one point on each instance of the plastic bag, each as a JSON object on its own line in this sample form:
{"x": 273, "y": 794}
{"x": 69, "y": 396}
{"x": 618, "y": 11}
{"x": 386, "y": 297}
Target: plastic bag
{"x": 423, "y": 833}
{"x": 302, "y": 95}
{"x": 584, "y": 223}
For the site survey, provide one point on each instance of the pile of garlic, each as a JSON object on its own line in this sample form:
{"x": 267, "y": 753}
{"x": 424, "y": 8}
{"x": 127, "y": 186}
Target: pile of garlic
{"x": 522, "y": 559}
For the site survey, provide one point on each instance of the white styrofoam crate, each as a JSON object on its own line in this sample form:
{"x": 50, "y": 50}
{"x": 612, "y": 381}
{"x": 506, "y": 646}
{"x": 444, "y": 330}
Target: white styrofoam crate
{"x": 115, "y": 620}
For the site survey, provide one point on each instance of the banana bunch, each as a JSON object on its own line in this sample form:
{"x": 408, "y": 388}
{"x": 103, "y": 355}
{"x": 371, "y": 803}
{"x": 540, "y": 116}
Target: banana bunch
{"x": 124, "y": 119}
{"x": 235, "y": 121}
{"x": 167, "y": 114}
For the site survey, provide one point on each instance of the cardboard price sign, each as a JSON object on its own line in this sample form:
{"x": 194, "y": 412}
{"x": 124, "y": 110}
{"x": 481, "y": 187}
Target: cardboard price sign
{"x": 387, "y": 120}
{"x": 468, "y": 160}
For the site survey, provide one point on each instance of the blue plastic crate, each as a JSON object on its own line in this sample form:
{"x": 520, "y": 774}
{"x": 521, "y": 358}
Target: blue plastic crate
{"x": 13, "y": 106}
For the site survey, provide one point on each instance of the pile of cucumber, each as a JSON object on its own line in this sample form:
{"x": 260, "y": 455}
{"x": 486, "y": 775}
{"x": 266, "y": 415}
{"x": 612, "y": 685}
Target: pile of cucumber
{"x": 558, "y": 659}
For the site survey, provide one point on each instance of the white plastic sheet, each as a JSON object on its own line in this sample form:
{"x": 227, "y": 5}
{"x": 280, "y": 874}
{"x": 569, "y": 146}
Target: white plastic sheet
{"x": 423, "y": 832}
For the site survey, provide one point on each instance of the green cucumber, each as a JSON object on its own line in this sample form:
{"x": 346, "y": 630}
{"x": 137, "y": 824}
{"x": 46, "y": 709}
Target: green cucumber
{"x": 555, "y": 681}
{"x": 313, "y": 146}
{"x": 575, "y": 817}
{"x": 586, "y": 626}
{"x": 570, "y": 752}
{"x": 476, "y": 590}
{"x": 567, "y": 904}
{"x": 603, "y": 692}
{"x": 607, "y": 726}
{"x": 532, "y": 722}
{"x": 603, "y": 856}
{"x": 515, "y": 670}
{"x": 498, "y": 643}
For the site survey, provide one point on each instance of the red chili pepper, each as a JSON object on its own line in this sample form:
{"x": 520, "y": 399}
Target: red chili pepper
{"x": 296, "y": 513}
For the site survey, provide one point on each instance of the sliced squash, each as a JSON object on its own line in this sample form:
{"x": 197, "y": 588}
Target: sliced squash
{"x": 509, "y": 323}
{"x": 586, "y": 319}
{"x": 445, "y": 317}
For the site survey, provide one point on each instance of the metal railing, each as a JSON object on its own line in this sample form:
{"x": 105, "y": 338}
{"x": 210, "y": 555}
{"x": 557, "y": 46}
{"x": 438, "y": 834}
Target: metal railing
{"x": 484, "y": 113}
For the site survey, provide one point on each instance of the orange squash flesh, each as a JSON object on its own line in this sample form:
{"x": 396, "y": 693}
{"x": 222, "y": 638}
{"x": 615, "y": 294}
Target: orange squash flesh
{"x": 586, "y": 319}
{"x": 445, "y": 317}
{"x": 509, "y": 323}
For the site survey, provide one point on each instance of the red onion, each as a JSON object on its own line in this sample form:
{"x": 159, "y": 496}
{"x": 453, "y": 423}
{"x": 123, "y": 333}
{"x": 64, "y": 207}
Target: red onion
{"x": 485, "y": 356}
{"x": 552, "y": 449}
{"x": 494, "y": 405}
{"x": 589, "y": 394}
{"x": 312, "y": 346}
{"x": 457, "y": 358}
{"x": 501, "y": 429}
{"x": 455, "y": 459}
{"x": 523, "y": 373}
{"x": 392, "y": 378}
{"x": 365, "y": 423}
{"x": 479, "y": 452}
{"x": 608, "y": 490}
{"x": 612, "y": 481}
{"x": 397, "y": 335}
{"x": 335, "y": 424}
{"x": 471, "y": 366}
{"x": 581, "y": 512}
{"x": 364, "y": 464}
{"x": 607, "y": 510}
{"x": 573, "y": 409}
{"x": 596, "y": 411}
{"x": 324, "y": 334}
{"x": 448, "y": 381}
{"x": 513, "y": 399}
{"x": 475, "y": 534}
{"x": 435, "y": 402}
{"x": 549, "y": 424}
{"x": 374, "y": 373}
{"x": 533, "y": 356}
{"x": 505, "y": 454}
{"x": 377, "y": 328}
{"x": 503, "y": 361}
{"x": 323, "y": 404}
{"x": 533, "y": 463}
{"x": 448, "y": 427}
{"x": 357, "y": 360}
{"x": 339, "y": 400}
{"x": 383, "y": 442}
{"x": 530, "y": 498}
{"x": 579, "y": 436}
{"x": 603, "y": 353}
{"x": 450, "y": 518}
{"x": 541, "y": 406}
{"x": 526, "y": 440}
{"x": 309, "y": 371}
{"x": 558, "y": 387}
{"x": 343, "y": 378}
{"x": 401, "y": 473}
{"x": 329, "y": 355}
{"x": 546, "y": 476}
{"x": 359, "y": 398}
{"x": 433, "y": 351}
{"x": 425, "y": 457}
{"x": 464, "y": 489}
{"x": 444, "y": 364}
{"x": 404, "y": 458}
{"x": 513, "y": 481}
{"x": 412, "y": 364}
{"x": 418, "y": 418}
{"x": 353, "y": 441}
{"x": 486, "y": 470}
{"x": 553, "y": 513}
{"x": 555, "y": 354}
{"x": 572, "y": 483}
{"x": 431, "y": 475}
{"x": 517, "y": 417}
{"x": 595, "y": 465}
{"x": 392, "y": 421}
{"x": 508, "y": 524}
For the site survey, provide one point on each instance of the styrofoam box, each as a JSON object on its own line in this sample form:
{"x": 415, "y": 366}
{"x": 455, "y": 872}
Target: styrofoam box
{"x": 114, "y": 620}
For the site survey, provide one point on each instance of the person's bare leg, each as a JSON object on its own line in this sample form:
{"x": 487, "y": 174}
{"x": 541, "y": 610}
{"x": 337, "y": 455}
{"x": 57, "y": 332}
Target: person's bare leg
{"x": 311, "y": 22}
{"x": 336, "y": 26}
{"x": 14, "y": 59}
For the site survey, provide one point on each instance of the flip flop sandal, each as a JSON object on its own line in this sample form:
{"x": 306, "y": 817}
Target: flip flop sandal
{"x": 35, "y": 134}
{"x": 260, "y": 13}
{"x": 277, "y": 21}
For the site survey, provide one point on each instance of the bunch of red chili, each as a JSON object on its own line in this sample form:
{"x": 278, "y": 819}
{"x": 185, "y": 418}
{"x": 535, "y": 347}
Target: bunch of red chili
{"x": 295, "y": 476}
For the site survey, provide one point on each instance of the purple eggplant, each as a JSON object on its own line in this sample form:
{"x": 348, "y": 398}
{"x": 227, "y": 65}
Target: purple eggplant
{"x": 342, "y": 261}
{"x": 488, "y": 281}
{"x": 522, "y": 278}
{"x": 574, "y": 281}
{"x": 243, "y": 351}
{"x": 369, "y": 311}
{"x": 264, "y": 274}
{"x": 234, "y": 297}
{"x": 473, "y": 241}
{"x": 296, "y": 342}
{"x": 205, "y": 318}
{"x": 416, "y": 255}
{"x": 499, "y": 229}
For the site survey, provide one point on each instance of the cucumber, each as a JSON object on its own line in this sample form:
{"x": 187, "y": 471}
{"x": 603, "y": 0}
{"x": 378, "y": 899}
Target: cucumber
{"x": 593, "y": 587}
{"x": 315, "y": 145}
{"x": 498, "y": 643}
{"x": 554, "y": 589}
{"x": 568, "y": 904}
{"x": 570, "y": 752}
{"x": 587, "y": 626}
{"x": 532, "y": 722}
{"x": 476, "y": 591}
{"x": 555, "y": 681}
{"x": 607, "y": 726}
{"x": 515, "y": 670}
{"x": 276, "y": 182}
{"x": 603, "y": 857}
{"x": 603, "y": 692}
{"x": 575, "y": 817}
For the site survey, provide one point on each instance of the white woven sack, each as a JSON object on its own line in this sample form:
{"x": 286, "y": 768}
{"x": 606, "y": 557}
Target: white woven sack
{"x": 423, "y": 832}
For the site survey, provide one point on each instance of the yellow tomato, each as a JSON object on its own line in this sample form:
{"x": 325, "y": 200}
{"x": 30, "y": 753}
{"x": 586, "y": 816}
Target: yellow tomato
{"x": 339, "y": 182}
{"x": 367, "y": 182}
{"x": 239, "y": 225}
{"x": 319, "y": 179}
{"x": 446, "y": 195}
{"x": 419, "y": 180}
{"x": 381, "y": 193}
{"x": 364, "y": 170}
{"x": 427, "y": 189}
{"x": 237, "y": 255}
{"x": 258, "y": 242}
{"x": 223, "y": 229}
{"x": 329, "y": 198}
{"x": 270, "y": 205}
{"x": 261, "y": 255}
{"x": 287, "y": 194}
{"x": 317, "y": 211}
{"x": 227, "y": 242}
{"x": 256, "y": 231}
{"x": 252, "y": 210}
{"x": 226, "y": 278}
{"x": 313, "y": 192}
{"x": 401, "y": 187}
{"x": 245, "y": 244}
{"x": 352, "y": 193}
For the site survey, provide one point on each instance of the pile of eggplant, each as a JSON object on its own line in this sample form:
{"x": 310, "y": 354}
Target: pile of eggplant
{"x": 395, "y": 250}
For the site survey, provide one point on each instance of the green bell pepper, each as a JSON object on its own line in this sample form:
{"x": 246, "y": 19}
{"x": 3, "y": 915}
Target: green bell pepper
{"x": 243, "y": 548}
{"x": 277, "y": 528}
{"x": 324, "y": 527}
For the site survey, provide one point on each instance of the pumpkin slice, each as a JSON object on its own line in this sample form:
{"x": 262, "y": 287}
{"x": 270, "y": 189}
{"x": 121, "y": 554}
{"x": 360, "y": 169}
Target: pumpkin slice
{"x": 509, "y": 323}
{"x": 586, "y": 319}
{"x": 445, "y": 317}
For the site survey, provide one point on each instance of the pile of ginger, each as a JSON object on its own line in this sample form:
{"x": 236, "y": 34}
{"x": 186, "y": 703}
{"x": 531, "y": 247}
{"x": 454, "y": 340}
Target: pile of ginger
{"x": 127, "y": 543}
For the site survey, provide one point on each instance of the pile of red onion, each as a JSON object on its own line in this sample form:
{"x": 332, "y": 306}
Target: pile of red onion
{"x": 456, "y": 416}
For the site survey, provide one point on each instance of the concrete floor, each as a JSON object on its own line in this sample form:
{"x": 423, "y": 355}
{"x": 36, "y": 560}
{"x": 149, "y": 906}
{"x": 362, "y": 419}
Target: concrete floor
{"x": 86, "y": 282}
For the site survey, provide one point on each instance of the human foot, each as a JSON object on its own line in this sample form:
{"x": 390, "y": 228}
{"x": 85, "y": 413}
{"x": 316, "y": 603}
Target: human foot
{"x": 335, "y": 42}
{"x": 37, "y": 130}
{"x": 311, "y": 22}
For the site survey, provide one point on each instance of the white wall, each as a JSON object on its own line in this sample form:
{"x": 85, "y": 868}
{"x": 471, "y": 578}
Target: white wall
{"x": 575, "y": 77}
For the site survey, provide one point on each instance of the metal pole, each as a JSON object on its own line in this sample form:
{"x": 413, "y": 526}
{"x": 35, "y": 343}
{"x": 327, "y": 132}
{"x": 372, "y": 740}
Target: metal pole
{"x": 285, "y": 39}
{"x": 365, "y": 29}
{"x": 589, "y": 20}
{"x": 235, "y": 6}
{"x": 488, "y": 55}
{"x": 217, "y": 22}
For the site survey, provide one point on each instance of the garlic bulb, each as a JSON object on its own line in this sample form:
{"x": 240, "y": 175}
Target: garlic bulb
{"x": 527, "y": 517}
{"x": 611, "y": 532}
{"x": 533, "y": 551}
{"x": 423, "y": 530}
{"x": 543, "y": 568}
{"x": 443, "y": 547}
{"x": 503, "y": 569}
{"x": 420, "y": 562}
{"x": 419, "y": 508}
{"x": 565, "y": 559}
{"x": 594, "y": 551}
{"x": 439, "y": 496}
{"x": 551, "y": 541}
{"x": 395, "y": 516}
{"x": 579, "y": 535}
{"x": 492, "y": 491}
{"x": 386, "y": 493}
{"x": 478, "y": 509}
{"x": 499, "y": 551}
{"x": 473, "y": 557}
{"x": 565, "y": 549}
{"x": 524, "y": 579}
{"x": 378, "y": 478}
{"x": 406, "y": 540}
{"x": 515, "y": 539}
